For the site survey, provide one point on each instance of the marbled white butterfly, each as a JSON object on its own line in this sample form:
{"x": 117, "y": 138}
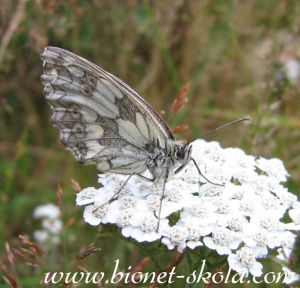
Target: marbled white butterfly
{"x": 104, "y": 121}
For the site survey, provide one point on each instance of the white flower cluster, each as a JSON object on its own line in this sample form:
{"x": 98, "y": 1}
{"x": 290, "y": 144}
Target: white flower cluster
{"x": 242, "y": 219}
{"x": 51, "y": 224}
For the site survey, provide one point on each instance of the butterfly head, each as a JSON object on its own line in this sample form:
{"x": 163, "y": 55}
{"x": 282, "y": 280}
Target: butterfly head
{"x": 182, "y": 153}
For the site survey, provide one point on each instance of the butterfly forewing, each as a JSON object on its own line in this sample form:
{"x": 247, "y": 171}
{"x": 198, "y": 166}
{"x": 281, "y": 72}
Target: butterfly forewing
{"x": 100, "y": 118}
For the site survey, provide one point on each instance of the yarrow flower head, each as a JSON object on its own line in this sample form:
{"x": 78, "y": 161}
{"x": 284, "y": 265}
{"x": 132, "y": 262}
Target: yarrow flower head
{"x": 243, "y": 218}
{"x": 51, "y": 224}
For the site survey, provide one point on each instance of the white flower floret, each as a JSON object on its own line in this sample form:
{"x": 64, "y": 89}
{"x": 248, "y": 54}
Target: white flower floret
{"x": 287, "y": 199}
{"x": 287, "y": 241}
{"x": 211, "y": 190}
{"x": 46, "y": 211}
{"x": 273, "y": 167}
{"x": 193, "y": 236}
{"x": 249, "y": 204}
{"x": 272, "y": 203}
{"x": 178, "y": 234}
{"x": 291, "y": 277}
{"x": 244, "y": 261}
{"x": 149, "y": 223}
{"x": 94, "y": 214}
{"x": 176, "y": 237}
{"x": 176, "y": 192}
{"x": 87, "y": 196}
{"x": 125, "y": 217}
{"x": 238, "y": 158}
{"x": 270, "y": 223}
{"x": 52, "y": 225}
{"x": 201, "y": 213}
{"x": 41, "y": 236}
{"x": 145, "y": 228}
{"x": 127, "y": 202}
{"x": 259, "y": 240}
{"x": 153, "y": 202}
{"x": 91, "y": 195}
{"x": 222, "y": 240}
{"x": 225, "y": 206}
{"x": 236, "y": 223}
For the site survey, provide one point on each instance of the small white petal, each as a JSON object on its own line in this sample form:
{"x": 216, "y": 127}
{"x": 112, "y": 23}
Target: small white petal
{"x": 127, "y": 231}
{"x": 256, "y": 269}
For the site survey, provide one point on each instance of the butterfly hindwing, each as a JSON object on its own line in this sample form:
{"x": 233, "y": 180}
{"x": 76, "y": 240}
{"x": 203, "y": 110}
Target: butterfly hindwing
{"x": 100, "y": 119}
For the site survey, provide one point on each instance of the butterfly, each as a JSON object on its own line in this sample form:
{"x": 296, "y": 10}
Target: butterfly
{"x": 102, "y": 120}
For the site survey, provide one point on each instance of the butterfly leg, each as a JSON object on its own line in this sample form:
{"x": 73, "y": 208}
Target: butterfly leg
{"x": 161, "y": 198}
{"x": 200, "y": 173}
{"x": 146, "y": 178}
{"x": 118, "y": 191}
{"x": 160, "y": 204}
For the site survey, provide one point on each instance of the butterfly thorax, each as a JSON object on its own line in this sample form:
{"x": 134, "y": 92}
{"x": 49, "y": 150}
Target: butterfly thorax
{"x": 163, "y": 163}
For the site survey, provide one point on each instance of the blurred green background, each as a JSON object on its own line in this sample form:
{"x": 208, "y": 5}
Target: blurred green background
{"x": 239, "y": 57}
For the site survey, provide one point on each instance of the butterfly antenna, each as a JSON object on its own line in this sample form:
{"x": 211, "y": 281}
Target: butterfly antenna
{"x": 226, "y": 125}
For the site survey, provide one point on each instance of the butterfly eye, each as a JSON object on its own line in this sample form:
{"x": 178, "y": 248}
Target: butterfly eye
{"x": 180, "y": 154}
